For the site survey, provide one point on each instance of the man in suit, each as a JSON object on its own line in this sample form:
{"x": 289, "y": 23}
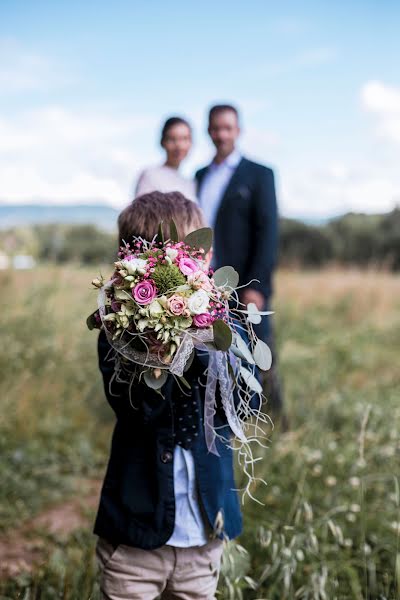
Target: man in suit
{"x": 238, "y": 199}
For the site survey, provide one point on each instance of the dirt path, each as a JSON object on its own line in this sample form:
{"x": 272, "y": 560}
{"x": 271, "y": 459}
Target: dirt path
{"x": 23, "y": 548}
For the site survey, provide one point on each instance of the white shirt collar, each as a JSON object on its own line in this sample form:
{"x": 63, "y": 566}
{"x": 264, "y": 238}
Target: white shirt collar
{"x": 232, "y": 160}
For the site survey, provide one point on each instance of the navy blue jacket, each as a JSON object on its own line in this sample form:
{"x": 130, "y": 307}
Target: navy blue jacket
{"x": 246, "y": 226}
{"x": 137, "y": 505}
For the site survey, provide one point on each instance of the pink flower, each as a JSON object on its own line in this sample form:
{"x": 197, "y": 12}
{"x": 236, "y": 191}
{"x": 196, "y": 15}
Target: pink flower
{"x": 202, "y": 320}
{"x": 177, "y": 304}
{"x": 144, "y": 292}
{"x": 199, "y": 280}
{"x": 188, "y": 266}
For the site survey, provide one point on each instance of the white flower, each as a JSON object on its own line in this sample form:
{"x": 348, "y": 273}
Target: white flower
{"x": 355, "y": 482}
{"x": 133, "y": 265}
{"x": 155, "y": 309}
{"x": 142, "y": 324}
{"x": 330, "y": 481}
{"x": 171, "y": 253}
{"x": 198, "y": 302}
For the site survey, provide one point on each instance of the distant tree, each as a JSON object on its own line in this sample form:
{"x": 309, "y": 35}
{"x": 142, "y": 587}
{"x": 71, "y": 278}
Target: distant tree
{"x": 304, "y": 245}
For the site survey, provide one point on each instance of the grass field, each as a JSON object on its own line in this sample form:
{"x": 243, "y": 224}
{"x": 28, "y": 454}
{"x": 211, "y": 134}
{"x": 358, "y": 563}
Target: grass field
{"x": 329, "y": 526}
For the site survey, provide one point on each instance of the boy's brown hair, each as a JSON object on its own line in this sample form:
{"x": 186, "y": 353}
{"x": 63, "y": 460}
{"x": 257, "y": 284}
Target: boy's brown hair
{"x": 143, "y": 216}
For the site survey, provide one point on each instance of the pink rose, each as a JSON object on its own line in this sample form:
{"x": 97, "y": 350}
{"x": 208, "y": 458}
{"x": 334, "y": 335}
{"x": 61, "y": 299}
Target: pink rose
{"x": 188, "y": 266}
{"x": 144, "y": 292}
{"x": 202, "y": 320}
{"x": 177, "y": 304}
{"x": 199, "y": 280}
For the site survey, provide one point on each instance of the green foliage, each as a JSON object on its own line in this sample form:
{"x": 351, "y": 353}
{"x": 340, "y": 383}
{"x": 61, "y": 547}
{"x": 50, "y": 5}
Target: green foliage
{"x": 167, "y": 277}
{"x": 353, "y": 239}
{"x": 222, "y": 335}
{"x": 174, "y": 236}
{"x": 330, "y": 523}
{"x": 201, "y": 238}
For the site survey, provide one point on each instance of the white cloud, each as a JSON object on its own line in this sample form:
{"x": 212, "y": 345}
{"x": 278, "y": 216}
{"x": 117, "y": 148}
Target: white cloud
{"x": 57, "y": 155}
{"x": 384, "y": 101}
{"x": 337, "y": 189}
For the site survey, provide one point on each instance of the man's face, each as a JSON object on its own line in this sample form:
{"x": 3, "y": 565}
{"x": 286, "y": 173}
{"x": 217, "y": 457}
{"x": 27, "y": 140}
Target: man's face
{"x": 224, "y": 131}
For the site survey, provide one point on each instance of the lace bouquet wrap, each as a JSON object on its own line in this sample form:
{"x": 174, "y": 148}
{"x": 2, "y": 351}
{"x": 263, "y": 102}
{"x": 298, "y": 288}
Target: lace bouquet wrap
{"x": 162, "y": 303}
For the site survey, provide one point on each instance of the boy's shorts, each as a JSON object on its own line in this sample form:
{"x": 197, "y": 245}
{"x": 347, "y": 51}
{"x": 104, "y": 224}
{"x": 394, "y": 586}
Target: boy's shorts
{"x": 129, "y": 573}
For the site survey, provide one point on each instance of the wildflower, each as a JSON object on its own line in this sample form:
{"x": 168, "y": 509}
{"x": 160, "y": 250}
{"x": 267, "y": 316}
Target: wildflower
{"x": 331, "y": 481}
{"x": 317, "y": 470}
{"x": 355, "y": 482}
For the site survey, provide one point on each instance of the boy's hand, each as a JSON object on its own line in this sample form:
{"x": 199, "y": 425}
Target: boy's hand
{"x": 249, "y": 295}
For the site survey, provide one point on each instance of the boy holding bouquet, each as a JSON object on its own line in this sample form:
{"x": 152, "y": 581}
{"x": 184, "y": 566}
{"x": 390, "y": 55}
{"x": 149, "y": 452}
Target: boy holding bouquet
{"x": 166, "y": 501}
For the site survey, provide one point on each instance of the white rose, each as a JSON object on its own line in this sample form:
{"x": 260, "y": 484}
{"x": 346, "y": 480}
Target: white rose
{"x": 172, "y": 253}
{"x": 198, "y": 302}
{"x": 155, "y": 309}
{"x": 133, "y": 265}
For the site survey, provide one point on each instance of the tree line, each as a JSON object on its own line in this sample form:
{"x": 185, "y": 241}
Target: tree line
{"x": 353, "y": 239}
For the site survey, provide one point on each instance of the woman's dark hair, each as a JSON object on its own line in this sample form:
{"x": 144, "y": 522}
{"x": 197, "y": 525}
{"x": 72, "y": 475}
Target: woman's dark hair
{"x": 171, "y": 122}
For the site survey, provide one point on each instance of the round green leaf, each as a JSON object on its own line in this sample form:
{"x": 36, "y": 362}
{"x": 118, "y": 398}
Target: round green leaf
{"x": 253, "y": 314}
{"x": 226, "y": 277}
{"x": 240, "y": 349}
{"x": 262, "y": 355}
{"x": 222, "y": 335}
{"x": 153, "y": 382}
{"x": 250, "y": 380}
{"x": 201, "y": 238}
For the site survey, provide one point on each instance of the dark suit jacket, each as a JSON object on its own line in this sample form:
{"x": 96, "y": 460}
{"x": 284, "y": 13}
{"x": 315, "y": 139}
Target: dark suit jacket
{"x": 137, "y": 504}
{"x": 246, "y": 227}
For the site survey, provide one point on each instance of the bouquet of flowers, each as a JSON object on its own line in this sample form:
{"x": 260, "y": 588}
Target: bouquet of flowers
{"x": 163, "y": 302}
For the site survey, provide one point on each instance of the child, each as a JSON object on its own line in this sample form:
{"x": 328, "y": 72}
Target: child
{"x": 166, "y": 502}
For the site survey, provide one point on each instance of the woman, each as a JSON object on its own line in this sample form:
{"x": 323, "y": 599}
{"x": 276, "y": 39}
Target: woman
{"x": 176, "y": 139}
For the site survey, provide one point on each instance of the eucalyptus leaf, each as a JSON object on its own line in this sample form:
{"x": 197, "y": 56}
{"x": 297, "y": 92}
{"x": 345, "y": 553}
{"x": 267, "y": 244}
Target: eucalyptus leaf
{"x": 231, "y": 372}
{"x": 262, "y": 355}
{"x": 201, "y": 238}
{"x": 226, "y": 277}
{"x": 253, "y": 314}
{"x": 250, "y": 380}
{"x": 173, "y": 231}
{"x": 210, "y": 346}
{"x": 185, "y": 382}
{"x": 243, "y": 350}
{"x": 91, "y": 321}
{"x": 155, "y": 382}
{"x": 222, "y": 335}
{"x": 160, "y": 235}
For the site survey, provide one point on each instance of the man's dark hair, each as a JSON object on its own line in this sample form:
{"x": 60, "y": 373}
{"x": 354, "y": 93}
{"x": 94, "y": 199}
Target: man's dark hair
{"x": 220, "y": 108}
{"x": 171, "y": 122}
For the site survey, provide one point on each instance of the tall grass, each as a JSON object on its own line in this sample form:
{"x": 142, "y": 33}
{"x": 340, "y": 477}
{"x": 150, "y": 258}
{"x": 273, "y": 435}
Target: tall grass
{"x": 330, "y": 521}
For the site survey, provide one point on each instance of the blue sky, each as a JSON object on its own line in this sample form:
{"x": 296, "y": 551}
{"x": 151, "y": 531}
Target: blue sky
{"x": 85, "y": 87}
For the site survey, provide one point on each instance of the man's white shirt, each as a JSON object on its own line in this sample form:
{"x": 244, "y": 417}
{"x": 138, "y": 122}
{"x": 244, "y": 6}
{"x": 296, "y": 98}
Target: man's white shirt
{"x": 214, "y": 185}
